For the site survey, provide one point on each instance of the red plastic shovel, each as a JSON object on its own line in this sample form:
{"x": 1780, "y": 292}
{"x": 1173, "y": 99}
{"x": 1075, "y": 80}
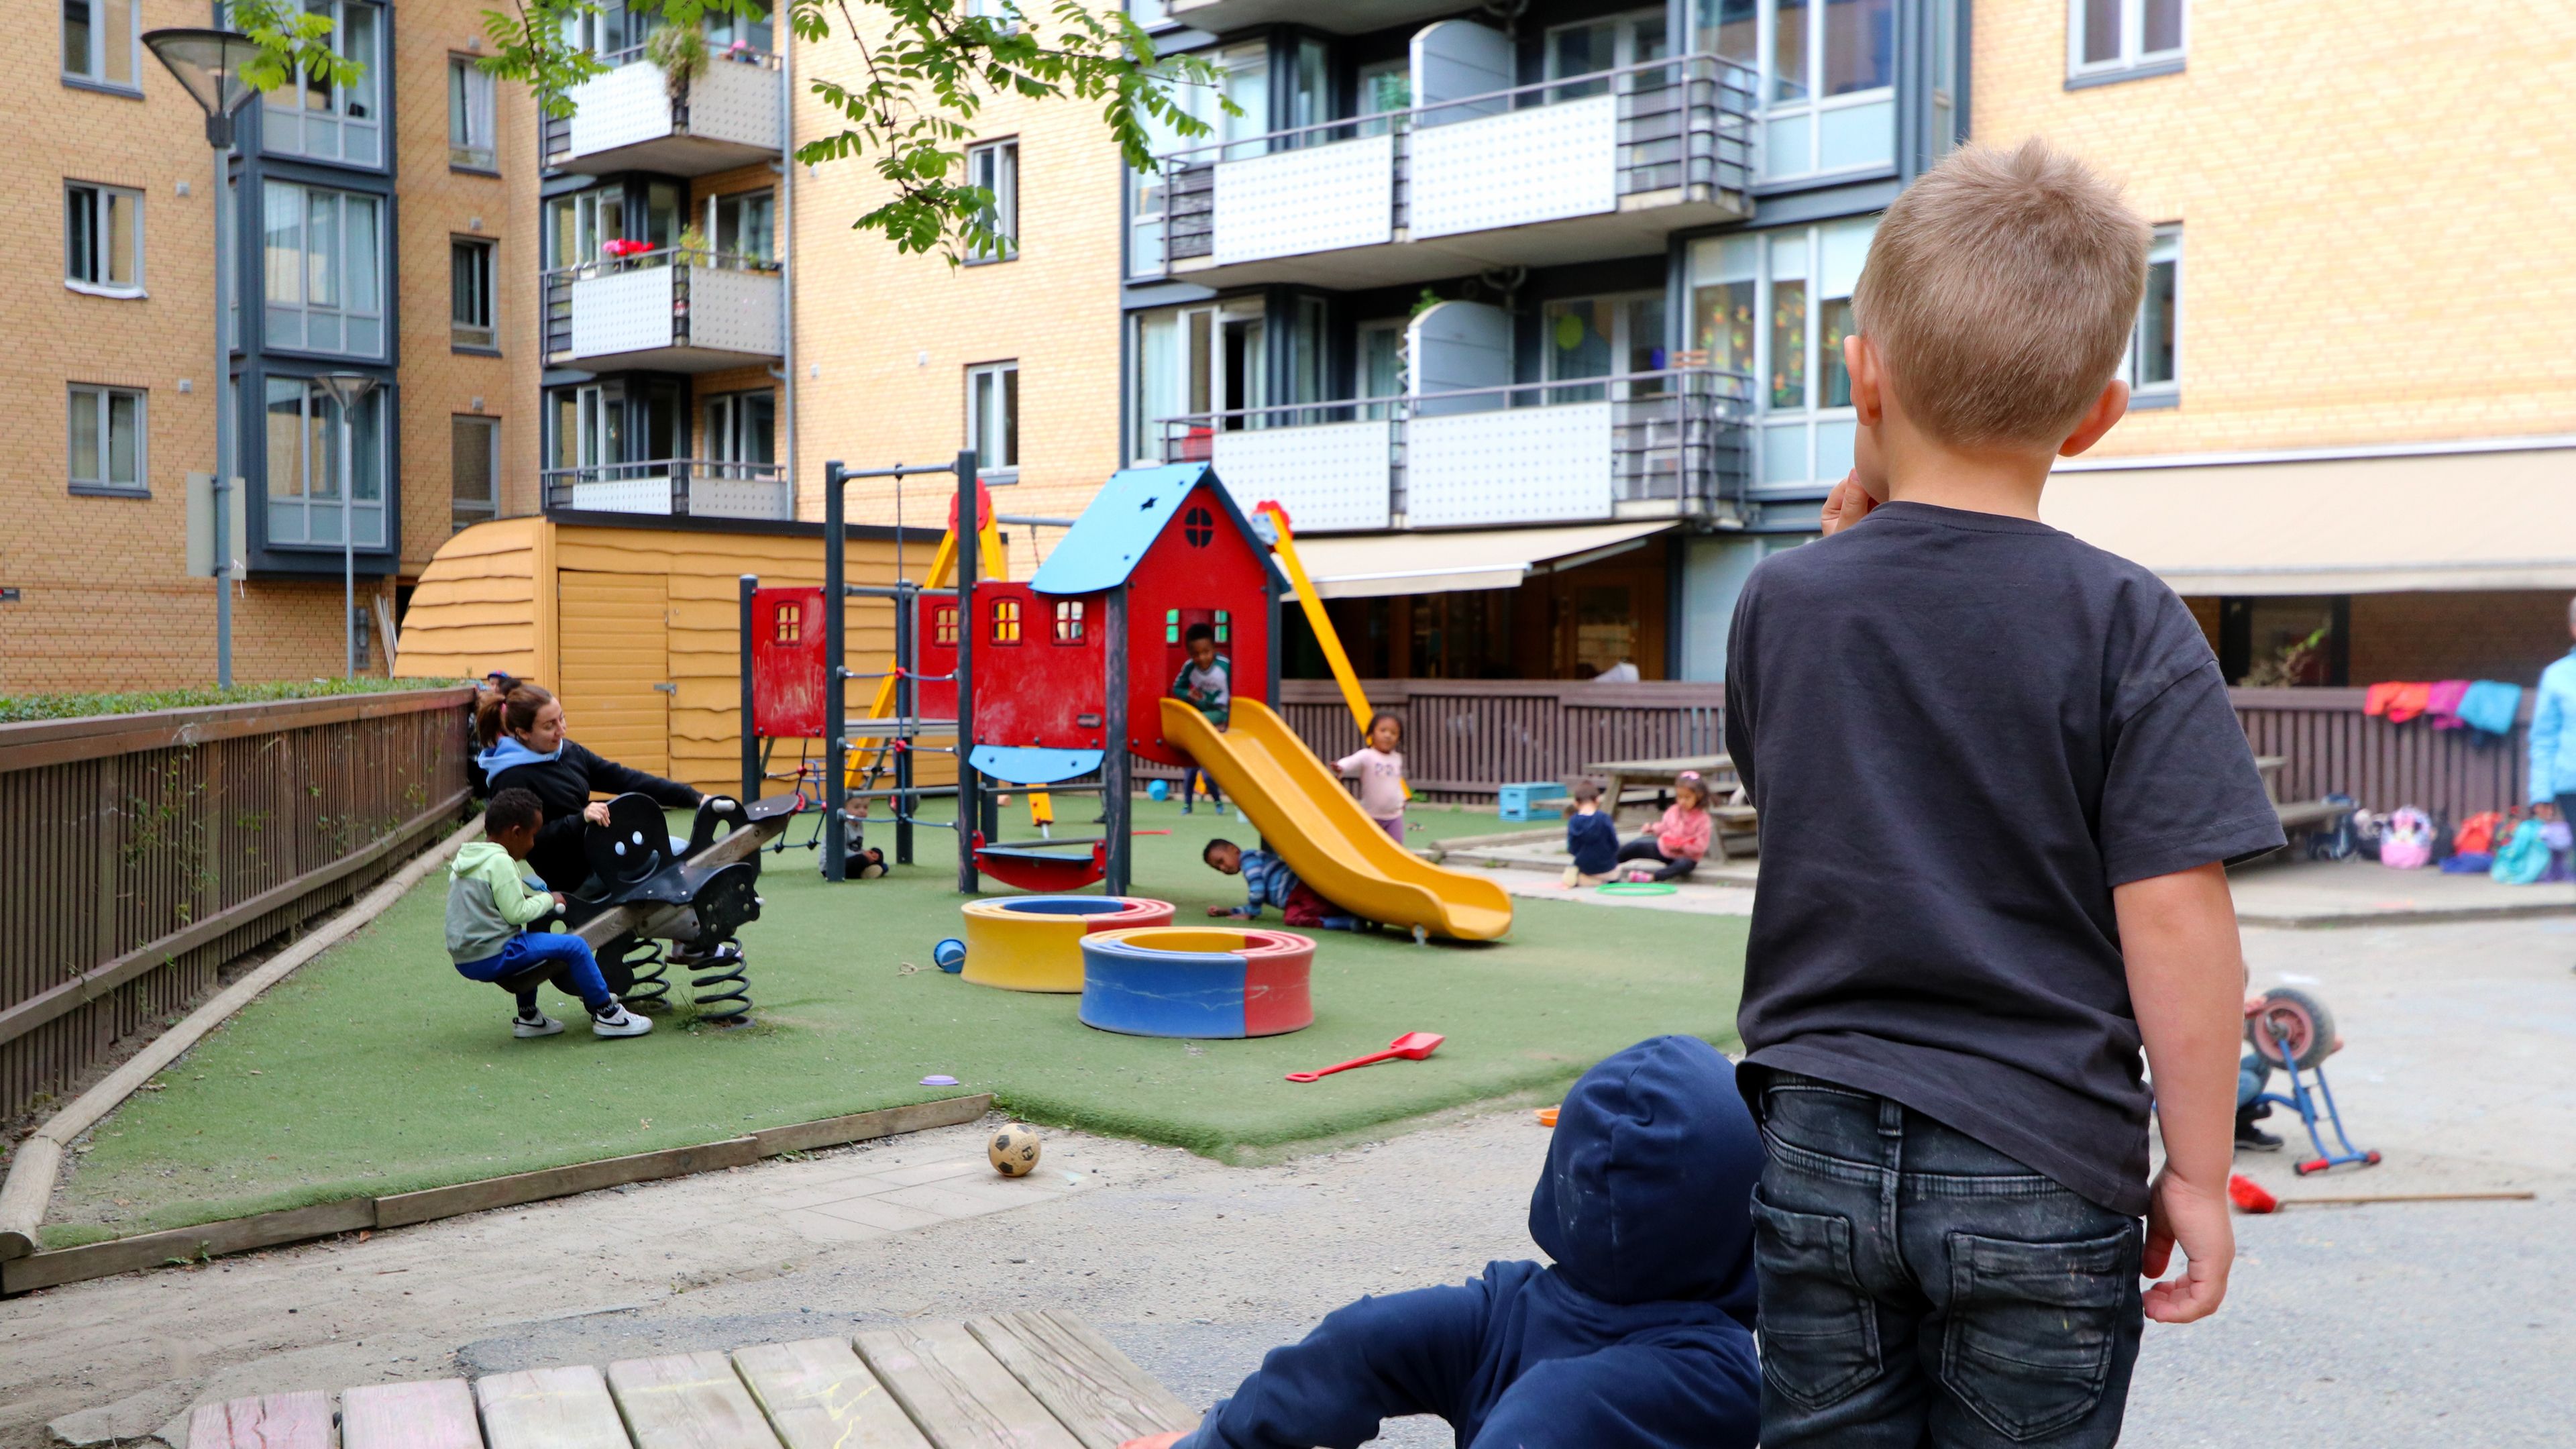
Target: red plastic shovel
{"x": 1413, "y": 1046}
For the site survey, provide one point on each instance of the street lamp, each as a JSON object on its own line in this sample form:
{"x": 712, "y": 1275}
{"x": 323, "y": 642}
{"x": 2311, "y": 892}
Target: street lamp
{"x": 209, "y": 65}
{"x": 346, "y": 389}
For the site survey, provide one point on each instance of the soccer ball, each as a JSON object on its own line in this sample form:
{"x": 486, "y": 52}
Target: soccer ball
{"x": 1014, "y": 1151}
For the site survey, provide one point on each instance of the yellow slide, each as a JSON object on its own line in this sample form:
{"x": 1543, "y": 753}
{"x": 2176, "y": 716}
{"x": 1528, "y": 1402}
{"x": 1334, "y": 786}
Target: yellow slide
{"x": 1305, "y": 815}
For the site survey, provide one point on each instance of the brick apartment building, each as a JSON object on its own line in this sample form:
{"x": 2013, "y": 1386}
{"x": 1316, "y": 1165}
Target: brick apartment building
{"x": 385, "y": 228}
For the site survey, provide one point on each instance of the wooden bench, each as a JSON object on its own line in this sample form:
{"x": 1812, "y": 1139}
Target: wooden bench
{"x": 1627, "y": 781}
{"x": 1028, "y": 1380}
{"x": 2295, "y": 815}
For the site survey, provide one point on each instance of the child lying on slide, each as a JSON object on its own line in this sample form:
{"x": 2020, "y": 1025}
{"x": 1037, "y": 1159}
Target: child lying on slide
{"x": 1640, "y": 1336}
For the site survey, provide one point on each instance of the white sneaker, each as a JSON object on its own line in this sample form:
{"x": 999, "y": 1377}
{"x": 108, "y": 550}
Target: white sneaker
{"x": 538, "y": 1025}
{"x": 1571, "y": 878}
{"x": 618, "y": 1021}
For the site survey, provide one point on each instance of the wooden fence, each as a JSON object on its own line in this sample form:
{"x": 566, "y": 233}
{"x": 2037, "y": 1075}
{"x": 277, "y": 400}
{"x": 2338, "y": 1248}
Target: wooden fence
{"x": 2333, "y": 748}
{"x": 139, "y": 853}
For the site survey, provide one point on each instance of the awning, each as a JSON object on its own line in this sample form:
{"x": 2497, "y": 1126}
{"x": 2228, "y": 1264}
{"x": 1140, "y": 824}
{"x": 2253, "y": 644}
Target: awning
{"x": 1371, "y": 565}
{"x": 2497, "y": 519}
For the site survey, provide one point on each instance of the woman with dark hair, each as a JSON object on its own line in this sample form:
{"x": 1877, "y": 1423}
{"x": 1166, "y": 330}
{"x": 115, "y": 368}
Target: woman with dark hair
{"x": 520, "y": 727}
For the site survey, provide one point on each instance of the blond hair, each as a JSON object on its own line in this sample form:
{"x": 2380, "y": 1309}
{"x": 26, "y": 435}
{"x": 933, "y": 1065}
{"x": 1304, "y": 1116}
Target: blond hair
{"x": 2000, "y": 291}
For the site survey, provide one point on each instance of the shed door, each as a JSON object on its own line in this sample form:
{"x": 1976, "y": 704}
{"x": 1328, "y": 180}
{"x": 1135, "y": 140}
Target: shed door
{"x": 615, "y": 636}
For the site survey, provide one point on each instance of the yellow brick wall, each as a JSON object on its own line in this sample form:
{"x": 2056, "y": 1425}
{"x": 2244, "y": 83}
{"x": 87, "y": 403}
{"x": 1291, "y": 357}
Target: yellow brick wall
{"x": 2366, "y": 207}
{"x": 884, "y": 340}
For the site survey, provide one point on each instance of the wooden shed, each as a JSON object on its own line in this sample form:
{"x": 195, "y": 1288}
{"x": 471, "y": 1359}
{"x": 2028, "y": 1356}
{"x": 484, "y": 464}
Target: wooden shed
{"x": 635, "y": 627}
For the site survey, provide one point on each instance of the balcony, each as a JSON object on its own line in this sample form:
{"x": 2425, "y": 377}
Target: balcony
{"x": 674, "y": 488}
{"x": 669, "y": 310}
{"x": 1341, "y": 17}
{"x": 1565, "y": 171}
{"x": 1642, "y": 445}
{"x": 629, "y": 120}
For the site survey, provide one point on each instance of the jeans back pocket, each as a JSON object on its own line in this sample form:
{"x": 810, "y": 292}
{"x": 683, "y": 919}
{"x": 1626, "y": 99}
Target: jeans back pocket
{"x": 1819, "y": 1330}
{"x": 2032, "y": 1327}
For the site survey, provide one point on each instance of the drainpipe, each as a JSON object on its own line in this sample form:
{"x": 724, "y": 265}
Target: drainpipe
{"x": 787, "y": 258}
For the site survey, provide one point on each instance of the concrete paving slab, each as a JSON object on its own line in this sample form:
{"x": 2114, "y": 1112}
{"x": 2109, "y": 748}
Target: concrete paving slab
{"x": 2360, "y": 892}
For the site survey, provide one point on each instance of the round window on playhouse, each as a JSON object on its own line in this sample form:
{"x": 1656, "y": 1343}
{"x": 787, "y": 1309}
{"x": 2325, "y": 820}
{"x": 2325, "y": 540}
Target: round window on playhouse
{"x": 1198, "y": 526}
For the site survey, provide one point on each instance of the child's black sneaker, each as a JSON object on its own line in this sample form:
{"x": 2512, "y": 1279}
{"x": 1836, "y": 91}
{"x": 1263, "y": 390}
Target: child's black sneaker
{"x": 615, "y": 1020}
{"x": 2250, "y": 1137}
{"x": 537, "y": 1025}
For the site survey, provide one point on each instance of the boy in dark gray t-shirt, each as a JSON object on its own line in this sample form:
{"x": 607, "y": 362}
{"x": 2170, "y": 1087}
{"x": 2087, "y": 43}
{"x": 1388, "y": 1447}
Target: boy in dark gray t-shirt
{"x": 1999, "y": 779}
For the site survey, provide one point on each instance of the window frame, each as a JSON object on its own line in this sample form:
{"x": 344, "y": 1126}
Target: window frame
{"x": 2143, "y": 396}
{"x": 460, "y": 328}
{"x": 490, "y": 507}
{"x": 481, "y": 113}
{"x": 100, "y": 398}
{"x": 1814, "y": 417}
{"x": 101, "y": 234}
{"x": 342, "y": 438}
{"x": 271, "y": 189}
{"x": 98, "y": 79}
{"x": 1814, "y": 105}
{"x": 1003, "y": 155}
{"x": 1002, "y": 474}
{"x": 2133, "y": 61}
{"x": 285, "y": 130}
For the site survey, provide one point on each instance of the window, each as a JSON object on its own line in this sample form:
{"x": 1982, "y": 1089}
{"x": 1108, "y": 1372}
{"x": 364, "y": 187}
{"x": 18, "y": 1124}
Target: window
{"x": 738, "y": 37}
{"x": 107, "y": 440}
{"x": 1068, "y": 621}
{"x": 1149, "y": 13}
{"x": 741, "y": 434}
{"x": 2118, "y": 39}
{"x": 99, "y": 42}
{"x": 993, "y": 420}
{"x": 475, "y": 462}
{"x": 1776, "y": 306}
{"x": 744, "y": 225}
{"x": 470, "y": 144}
{"x": 1385, "y": 87}
{"x": 103, "y": 239}
{"x": 1826, "y": 73}
{"x": 1380, "y": 364}
{"x": 309, "y": 116}
{"x": 325, "y": 270}
{"x": 323, "y": 468}
{"x": 995, "y": 168}
{"x": 1599, "y": 336}
{"x": 1223, "y": 623}
{"x": 610, "y": 28}
{"x": 469, "y": 291}
{"x": 1594, "y": 46}
{"x": 943, "y": 625}
{"x": 1171, "y": 626}
{"x": 1006, "y": 621}
{"x": 1175, "y": 379}
{"x": 2153, "y": 368}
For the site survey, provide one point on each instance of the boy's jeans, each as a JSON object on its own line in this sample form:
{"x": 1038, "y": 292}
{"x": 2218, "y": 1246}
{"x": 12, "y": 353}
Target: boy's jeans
{"x": 1919, "y": 1287}
{"x": 576, "y": 970}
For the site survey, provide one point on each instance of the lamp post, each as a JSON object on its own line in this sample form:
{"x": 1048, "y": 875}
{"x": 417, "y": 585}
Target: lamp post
{"x": 347, "y": 389}
{"x": 209, "y": 65}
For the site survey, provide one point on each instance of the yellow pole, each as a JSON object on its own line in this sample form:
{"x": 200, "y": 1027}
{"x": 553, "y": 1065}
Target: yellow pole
{"x": 1285, "y": 546}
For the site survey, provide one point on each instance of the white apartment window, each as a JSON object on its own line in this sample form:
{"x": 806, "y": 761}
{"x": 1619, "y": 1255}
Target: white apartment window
{"x": 322, "y": 468}
{"x": 2154, "y": 364}
{"x": 1593, "y": 46}
{"x": 1776, "y": 306}
{"x": 475, "y": 461}
{"x": 1825, "y": 71}
{"x": 1149, "y": 13}
{"x": 1380, "y": 363}
{"x": 1175, "y": 379}
{"x": 99, "y": 41}
{"x": 470, "y": 121}
{"x": 745, "y": 225}
{"x": 993, "y": 420}
{"x": 309, "y": 116}
{"x": 995, "y": 167}
{"x": 325, "y": 269}
{"x": 1597, "y": 336}
{"x": 469, "y": 292}
{"x": 741, "y": 434}
{"x": 106, "y": 440}
{"x": 2117, "y": 38}
{"x": 103, "y": 239}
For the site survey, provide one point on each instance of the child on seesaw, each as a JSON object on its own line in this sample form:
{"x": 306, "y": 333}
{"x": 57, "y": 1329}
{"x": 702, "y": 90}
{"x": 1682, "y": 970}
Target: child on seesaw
{"x": 1267, "y": 881}
{"x": 1379, "y": 765}
{"x": 1640, "y": 1335}
{"x": 488, "y": 907}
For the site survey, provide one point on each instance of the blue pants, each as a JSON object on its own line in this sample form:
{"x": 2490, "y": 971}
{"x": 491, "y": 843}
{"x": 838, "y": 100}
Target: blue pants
{"x": 2251, "y": 1074}
{"x": 1190, "y": 778}
{"x": 576, "y": 971}
{"x": 1920, "y": 1288}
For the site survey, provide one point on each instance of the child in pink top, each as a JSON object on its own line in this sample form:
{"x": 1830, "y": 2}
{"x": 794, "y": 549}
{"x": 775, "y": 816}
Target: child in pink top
{"x": 1680, "y": 838}
{"x": 1380, "y": 768}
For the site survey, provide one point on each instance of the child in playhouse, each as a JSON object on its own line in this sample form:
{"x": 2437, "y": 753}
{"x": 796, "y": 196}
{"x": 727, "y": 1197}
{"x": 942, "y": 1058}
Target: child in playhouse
{"x": 1640, "y": 1335}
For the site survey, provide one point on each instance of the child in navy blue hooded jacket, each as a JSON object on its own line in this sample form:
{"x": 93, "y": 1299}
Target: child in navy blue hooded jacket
{"x": 1640, "y": 1336}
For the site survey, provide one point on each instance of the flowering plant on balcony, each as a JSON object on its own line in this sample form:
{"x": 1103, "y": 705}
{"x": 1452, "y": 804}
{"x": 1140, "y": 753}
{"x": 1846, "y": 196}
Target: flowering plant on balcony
{"x": 624, "y": 247}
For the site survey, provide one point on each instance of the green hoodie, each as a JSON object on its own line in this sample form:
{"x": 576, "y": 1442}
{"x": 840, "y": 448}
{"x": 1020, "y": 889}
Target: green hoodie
{"x": 487, "y": 902}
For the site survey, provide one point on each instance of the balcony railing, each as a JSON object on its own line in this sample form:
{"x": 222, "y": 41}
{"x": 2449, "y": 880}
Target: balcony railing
{"x": 677, "y": 487}
{"x": 1668, "y": 443}
{"x": 1665, "y": 133}
{"x": 695, "y": 300}
{"x": 628, "y": 119}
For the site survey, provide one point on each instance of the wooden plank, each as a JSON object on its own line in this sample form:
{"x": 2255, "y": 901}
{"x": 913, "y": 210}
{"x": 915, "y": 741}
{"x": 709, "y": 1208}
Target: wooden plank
{"x": 207, "y": 1240}
{"x": 555, "y": 1408}
{"x": 819, "y": 1396}
{"x": 687, "y": 1401}
{"x": 432, "y": 1414}
{"x": 403, "y": 1209}
{"x": 861, "y": 1126}
{"x": 271, "y": 1421}
{"x": 958, "y": 1393}
{"x": 1090, "y": 1387}
{"x": 53, "y": 742}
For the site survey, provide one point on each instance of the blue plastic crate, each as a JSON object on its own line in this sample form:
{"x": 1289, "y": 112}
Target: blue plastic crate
{"x": 1521, "y": 802}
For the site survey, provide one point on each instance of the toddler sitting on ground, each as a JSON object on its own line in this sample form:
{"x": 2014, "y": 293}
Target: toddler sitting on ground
{"x": 1640, "y": 1335}
{"x": 1590, "y": 837}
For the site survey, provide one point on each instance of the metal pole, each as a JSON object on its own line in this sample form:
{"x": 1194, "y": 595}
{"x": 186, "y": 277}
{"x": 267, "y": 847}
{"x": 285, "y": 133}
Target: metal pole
{"x": 970, "y": 544}
{"x": 748, "y": 585}
{"x": 223, "y": 436}
{"x": 1115, "y": 807}
{"x": 836, "y": 724}
{"x": 907, "y": 712}
{"x": 348, "y": 538}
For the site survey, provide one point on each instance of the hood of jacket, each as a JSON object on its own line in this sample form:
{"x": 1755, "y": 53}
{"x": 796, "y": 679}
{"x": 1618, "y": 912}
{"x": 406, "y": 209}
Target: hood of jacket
{"x": 507, "y": 751}
{"x": 473, "y": 855}
{"x": 1648, "y": 1191}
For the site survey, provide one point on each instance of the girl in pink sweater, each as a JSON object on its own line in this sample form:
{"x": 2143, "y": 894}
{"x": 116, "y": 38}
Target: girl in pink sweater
{"x": 1678, "y": 840}
{"x": 1380, "y": 768}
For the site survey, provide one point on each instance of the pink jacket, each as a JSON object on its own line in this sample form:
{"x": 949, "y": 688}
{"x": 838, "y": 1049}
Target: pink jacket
{"x": 1683, "y": 834}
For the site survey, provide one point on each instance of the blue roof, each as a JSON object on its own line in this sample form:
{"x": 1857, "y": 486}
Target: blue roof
{"x": 1111, "y": 537}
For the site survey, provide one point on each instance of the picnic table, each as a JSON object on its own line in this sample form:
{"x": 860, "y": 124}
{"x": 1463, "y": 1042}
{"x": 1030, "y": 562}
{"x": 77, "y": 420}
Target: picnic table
{"x": 1718, "y": 771}
{"x": 1027, "y": 1380}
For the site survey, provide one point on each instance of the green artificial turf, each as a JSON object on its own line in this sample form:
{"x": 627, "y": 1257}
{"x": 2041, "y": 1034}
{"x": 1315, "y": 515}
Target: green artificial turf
{"x": 376, "y": 1069}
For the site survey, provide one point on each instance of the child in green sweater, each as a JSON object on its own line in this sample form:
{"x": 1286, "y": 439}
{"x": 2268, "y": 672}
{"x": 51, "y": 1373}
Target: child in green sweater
{"x": 488, "y": 907}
